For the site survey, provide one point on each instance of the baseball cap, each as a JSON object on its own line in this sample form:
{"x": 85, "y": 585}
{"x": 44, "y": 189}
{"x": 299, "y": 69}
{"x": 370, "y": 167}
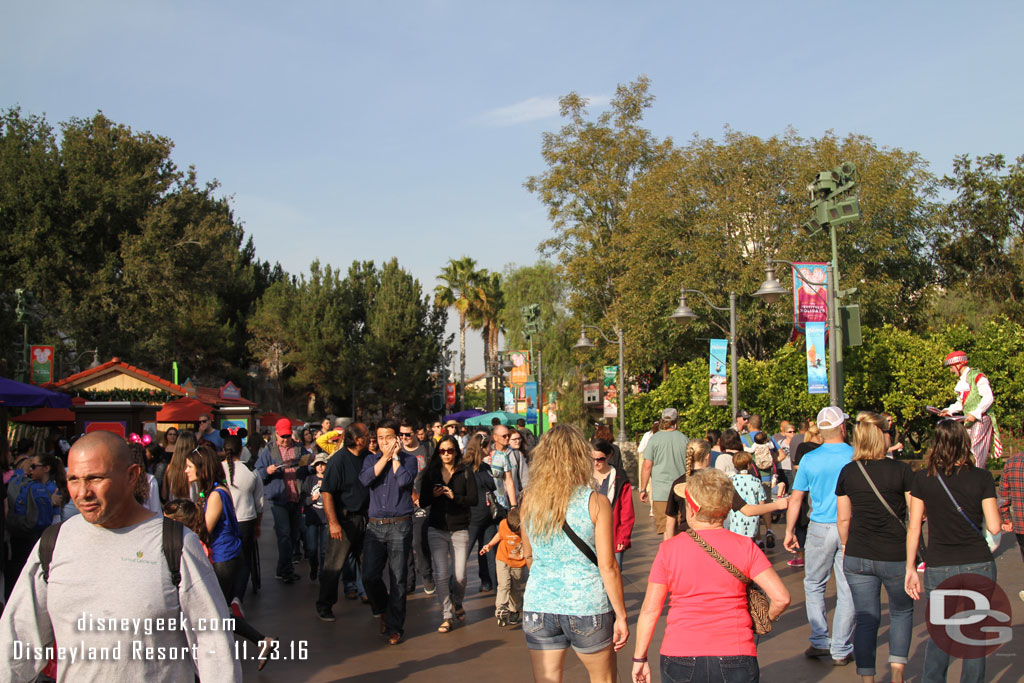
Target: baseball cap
{"x": 831, "y": 417}
{"x": 321, "y": 457}
{"x": 744, "y": 414}
{"x": 670, "y": 414}
{"x": 283, "y": 427}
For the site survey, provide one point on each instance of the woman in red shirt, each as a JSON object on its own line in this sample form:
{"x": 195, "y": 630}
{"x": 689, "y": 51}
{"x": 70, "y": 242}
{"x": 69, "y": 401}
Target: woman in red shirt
{"x": 703, "y": 596}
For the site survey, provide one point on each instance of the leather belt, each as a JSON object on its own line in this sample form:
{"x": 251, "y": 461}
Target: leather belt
{"x": 390, "y": 520}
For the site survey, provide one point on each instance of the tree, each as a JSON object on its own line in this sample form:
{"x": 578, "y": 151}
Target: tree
{"x": 460, "y": 290}
{"x": 485, "y": 314}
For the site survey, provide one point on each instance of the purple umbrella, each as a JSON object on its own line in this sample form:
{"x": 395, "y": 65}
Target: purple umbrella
{"x": 464, "y": 415}
{"x": 19, "y": 395}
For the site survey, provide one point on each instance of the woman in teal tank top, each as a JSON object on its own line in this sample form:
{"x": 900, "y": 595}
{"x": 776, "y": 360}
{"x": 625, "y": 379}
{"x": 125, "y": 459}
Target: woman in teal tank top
{"x": 570, "y": 599}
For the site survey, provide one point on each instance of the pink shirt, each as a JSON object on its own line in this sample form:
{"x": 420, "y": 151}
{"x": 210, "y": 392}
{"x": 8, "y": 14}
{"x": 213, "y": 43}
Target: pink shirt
{"x": 707, "y": 613}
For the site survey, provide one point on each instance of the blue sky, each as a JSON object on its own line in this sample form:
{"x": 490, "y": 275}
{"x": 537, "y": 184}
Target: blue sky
{"x": 366, "y": 130}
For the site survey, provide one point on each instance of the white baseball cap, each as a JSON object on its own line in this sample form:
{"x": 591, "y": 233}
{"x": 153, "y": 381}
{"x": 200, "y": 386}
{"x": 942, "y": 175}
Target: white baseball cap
{"x": 831, "y": 417}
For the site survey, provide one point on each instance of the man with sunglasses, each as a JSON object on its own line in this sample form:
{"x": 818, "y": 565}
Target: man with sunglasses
{"x": 419, "y": 559}
{"x": 206, "y": 432}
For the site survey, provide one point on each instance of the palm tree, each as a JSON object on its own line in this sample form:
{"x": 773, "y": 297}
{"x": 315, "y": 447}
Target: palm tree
{"x": 486, "y": 313}
{"x": 460, "y": 290}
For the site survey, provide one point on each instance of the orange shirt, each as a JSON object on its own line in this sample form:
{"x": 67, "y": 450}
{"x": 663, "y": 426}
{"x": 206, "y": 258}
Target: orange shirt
{"x": 510, "y": 547}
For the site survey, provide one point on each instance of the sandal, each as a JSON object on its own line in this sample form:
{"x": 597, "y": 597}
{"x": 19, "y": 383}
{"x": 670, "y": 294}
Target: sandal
{"x": 460, "y": 613}
{"x": 445, "y": 626}
{"x": 264, "y": 655}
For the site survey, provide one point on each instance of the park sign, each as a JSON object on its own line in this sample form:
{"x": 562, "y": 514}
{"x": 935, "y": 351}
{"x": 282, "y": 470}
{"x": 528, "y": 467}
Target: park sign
{"x": 42, "y": 363}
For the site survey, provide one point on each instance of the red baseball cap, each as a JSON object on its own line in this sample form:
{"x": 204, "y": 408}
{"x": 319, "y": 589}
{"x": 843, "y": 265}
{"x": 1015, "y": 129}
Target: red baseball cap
{"x": 283, "y": 427}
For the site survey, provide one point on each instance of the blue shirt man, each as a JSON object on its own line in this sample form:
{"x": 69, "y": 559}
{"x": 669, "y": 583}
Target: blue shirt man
{"x": 389, "y": 477}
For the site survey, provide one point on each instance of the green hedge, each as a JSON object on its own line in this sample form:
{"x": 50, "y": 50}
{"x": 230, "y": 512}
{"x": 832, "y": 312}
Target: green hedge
{"x": 894, "y": 371}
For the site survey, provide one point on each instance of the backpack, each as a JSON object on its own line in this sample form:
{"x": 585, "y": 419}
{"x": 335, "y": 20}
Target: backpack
{"x": 22, "y": 510}
{"x": 173, "y": 536}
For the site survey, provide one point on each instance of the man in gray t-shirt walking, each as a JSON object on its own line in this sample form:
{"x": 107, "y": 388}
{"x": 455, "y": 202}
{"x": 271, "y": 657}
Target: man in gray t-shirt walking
{"x": 109, "y": 589}
{"x": 664, "y": 462}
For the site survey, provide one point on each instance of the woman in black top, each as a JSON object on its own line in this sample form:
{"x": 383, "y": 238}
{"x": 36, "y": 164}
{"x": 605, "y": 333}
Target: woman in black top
{"x": 482, "y": 525}
{"x": 875, "y": 541}
{"x": 450, "y": 490}
{"x": 956, "y": 542}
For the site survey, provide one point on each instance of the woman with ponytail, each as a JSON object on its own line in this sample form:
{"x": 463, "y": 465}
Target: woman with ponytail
{"x": 247, "y": 494}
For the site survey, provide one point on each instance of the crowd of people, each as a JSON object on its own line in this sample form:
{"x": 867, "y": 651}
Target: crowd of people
{"x": 377, "y": 511}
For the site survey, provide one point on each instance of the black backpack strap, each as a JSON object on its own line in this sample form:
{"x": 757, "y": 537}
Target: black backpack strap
{"x": 47, "y": 543}
{"x": 579, "y": 543}
{"x": 173, "y": 536}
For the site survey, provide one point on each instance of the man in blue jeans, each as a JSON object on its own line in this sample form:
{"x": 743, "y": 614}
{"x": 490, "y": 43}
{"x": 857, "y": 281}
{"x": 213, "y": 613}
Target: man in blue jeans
{"x": 817, "y": 477}
{"x": 389, "y": 477}
{"x": 281, "y": 467}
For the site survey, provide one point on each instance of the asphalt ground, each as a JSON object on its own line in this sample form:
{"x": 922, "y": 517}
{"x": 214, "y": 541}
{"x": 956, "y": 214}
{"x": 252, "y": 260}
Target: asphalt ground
{"x": 351, "y": 649}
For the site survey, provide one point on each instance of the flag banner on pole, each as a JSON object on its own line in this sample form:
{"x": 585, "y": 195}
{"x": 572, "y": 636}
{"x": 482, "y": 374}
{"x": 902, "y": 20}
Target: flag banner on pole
{"x": 510, "y": 401}
{"x": 520, "y": 368}
{"x": 531, "y": 403}
{"x": 810, "y": 301}
{"x": 611, "y": 392}
{"x": 716, "y": 371}
{"x": 42, "y": 364}
{"x": 817, "y": 372}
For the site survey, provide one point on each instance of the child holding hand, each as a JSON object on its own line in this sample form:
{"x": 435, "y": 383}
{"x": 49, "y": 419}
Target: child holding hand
{"x": 511, "y": 570}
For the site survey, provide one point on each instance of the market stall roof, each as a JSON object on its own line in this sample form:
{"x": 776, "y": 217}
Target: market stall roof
{"x": 20, "y": 395}
{"x": 97, "y": 376}
{"x": 183, "y": 410}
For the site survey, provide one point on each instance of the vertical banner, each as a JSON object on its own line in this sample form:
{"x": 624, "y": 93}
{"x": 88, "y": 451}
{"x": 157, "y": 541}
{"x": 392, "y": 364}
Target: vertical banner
{"x": 42, "y": 364}
{"x": 817, "y": 373}
{"x": 716, "y": 371}
{"x": 520, "y": 368}
{"x": 531, "y": 403}
{"x": 449, "y": 394}
{"x": 509, "y": 402}
{"x": 810, "y": 299}
{"x": 611, "y": 393}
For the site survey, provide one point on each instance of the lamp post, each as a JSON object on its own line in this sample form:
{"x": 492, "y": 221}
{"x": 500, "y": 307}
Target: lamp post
{"x": 584, "y": 343}
{"x": 771, "y": 290}
{"x": 684, "y": 314}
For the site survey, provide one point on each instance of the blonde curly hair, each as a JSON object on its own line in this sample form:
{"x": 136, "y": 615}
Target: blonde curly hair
{"x": 559, "y": 465}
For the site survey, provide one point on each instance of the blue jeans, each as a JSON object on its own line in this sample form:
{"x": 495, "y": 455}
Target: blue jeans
{"x": 734, "y": 669}
{"x": 449, "y": 551}
{"x": 936, "y": 660}
{"x": 866, "y": 578}
{"x": 822, "y": 555}
{"x": 352, "y": 574}
{"x": 286, "y": 528}
{"x": 316, "y": 544}
{"x": 390, "y": 544}
{"x": 480, "y": 533}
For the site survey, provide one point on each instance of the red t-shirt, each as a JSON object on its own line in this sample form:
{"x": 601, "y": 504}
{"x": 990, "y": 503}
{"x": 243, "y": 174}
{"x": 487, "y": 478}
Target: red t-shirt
{"x": 707, "y": 614}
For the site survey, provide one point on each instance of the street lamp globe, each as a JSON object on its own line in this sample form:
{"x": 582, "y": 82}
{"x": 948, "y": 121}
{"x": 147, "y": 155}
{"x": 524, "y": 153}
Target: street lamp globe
{"x": 771, "y": 289}
{"x": 683, "y": 313}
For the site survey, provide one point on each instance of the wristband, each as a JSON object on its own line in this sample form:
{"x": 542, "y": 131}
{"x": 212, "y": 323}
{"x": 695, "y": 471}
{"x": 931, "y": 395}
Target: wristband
{"x": 639, "y": 660}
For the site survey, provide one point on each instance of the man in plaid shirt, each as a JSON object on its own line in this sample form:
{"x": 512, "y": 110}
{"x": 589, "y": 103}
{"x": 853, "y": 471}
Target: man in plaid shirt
{"x": 1011, "y": 494}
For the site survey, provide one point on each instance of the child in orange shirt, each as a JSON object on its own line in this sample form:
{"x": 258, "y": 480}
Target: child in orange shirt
{"x": 511, "y": 570}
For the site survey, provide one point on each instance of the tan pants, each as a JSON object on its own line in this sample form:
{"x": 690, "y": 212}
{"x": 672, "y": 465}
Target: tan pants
{"x": 508, "y": 599}
{"x": 659, "y": 515}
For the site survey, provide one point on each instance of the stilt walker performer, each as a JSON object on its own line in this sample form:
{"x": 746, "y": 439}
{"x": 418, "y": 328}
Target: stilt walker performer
{"x": 973, "y": 399}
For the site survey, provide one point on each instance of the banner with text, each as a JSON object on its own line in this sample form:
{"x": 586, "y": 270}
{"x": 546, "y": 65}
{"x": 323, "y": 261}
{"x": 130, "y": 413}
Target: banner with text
{"x": 817, "y": 373}
{"x": 611, "y": 392}
{"x": 531, "y": 403}
{"x": 810, "y": 299}
{"x": 42, "y": 364}
{"x": 716, "y": 371}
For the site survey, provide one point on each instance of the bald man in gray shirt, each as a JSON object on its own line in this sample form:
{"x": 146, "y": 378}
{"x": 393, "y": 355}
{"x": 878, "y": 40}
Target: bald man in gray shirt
{"x": 109, "y": 601}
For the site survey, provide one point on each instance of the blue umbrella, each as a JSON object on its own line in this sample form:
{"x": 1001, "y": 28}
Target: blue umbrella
{"x": 19, "y": 395}
{"x": 464, "y": 415}
{"x": 485, "y": 419}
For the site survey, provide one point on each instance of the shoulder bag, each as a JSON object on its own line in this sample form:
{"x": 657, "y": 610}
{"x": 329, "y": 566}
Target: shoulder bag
{"x": 991, "y": 541}
{"x": 864, "y": 471}
{"x": 757, "y": 600}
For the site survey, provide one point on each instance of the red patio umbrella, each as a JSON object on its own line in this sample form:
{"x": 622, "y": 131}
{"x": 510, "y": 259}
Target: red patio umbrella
{"x": 269, "y": 419}
{"x": 46, "y": 417}
{"x": 183, "y": 410}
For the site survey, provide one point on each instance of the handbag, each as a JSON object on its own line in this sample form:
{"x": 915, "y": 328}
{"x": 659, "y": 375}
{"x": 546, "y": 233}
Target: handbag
{"x": 991, "y": 541}
{"x": 498, "y": 513}
{"x": 757, "y": 601}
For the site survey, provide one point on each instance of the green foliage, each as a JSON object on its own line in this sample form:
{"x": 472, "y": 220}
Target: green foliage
{"x": 459, "y": 291}
{"x": 895, "y": 371}
{"x": 136, "y": 395}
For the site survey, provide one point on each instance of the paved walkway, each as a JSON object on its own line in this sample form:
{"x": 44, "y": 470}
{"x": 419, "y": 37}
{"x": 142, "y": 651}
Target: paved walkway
{"x": 350, "y": 649}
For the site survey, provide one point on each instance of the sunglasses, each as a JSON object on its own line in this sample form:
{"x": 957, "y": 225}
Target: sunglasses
{"x": 203, "y": 421}
{"x": 404, "y": 434}
{"x": 601, "y": 459}
{"x": 446, "y": 451}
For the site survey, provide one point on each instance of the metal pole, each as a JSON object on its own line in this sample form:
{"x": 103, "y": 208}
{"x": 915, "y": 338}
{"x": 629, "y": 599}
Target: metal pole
{"x": 540, "y": 394}
{"x": 834, "y": 394}
{"x": 837, "y": 318}
{"x": 622, "y": 389}
{"x": 732, "y": 357}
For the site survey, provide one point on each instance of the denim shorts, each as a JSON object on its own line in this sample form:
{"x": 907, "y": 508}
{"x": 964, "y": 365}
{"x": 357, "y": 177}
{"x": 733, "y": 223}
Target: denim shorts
{"x": 558, "y": 631}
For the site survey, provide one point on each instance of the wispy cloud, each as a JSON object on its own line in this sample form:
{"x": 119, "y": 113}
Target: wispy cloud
{"x": 530, "y": 109}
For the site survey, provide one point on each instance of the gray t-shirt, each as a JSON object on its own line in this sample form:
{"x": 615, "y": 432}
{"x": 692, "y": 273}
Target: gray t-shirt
{"x": 667, "y": 452}
{"x": 99, "y": 577}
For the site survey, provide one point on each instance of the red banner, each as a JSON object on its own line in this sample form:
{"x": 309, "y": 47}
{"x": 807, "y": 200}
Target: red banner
{"x": 42, "y": 364}
{"x": 810, "y": 299}
{"x": 449, "y": 394}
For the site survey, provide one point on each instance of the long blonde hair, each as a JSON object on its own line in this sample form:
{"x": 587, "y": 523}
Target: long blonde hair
{"x": 697, "y": 450}
{"x": 869, "y": 436}
{"x": 559, "y": 465}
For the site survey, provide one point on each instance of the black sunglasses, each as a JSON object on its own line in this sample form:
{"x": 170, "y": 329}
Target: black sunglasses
{"x": 446, "y": 451}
